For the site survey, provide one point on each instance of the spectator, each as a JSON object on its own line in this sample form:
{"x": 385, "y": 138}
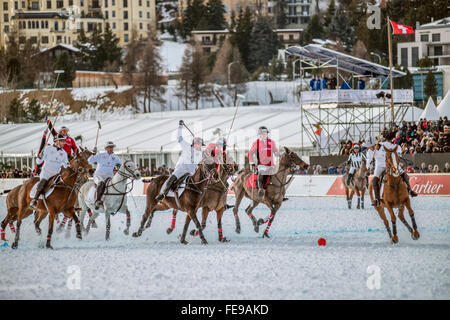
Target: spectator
{"x": 436, "y": 169}
{"x": 410, "y": 169}
{"x": 318, "y": 170}
{"x": 430, "y": 168}
{"x": 361, "y": 84}
{"x": 312, "y": 84}
{"x": 423, "y": 168}
{"x": 332, "y": 169}
{"x": 324, "y": 84}
{"x": 333, "y": 82}
{"x": 446, "y": 168}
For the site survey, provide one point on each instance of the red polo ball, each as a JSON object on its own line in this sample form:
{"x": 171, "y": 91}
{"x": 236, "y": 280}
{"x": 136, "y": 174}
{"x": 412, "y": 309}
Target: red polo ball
{"x": 321, "y": 242}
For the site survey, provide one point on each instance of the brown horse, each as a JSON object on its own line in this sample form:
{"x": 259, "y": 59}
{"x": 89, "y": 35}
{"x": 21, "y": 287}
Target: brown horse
{"x": 274, "y": 194}
{"x": 395, "y": 195}
{"x": 62, "y": 199}
{"x": 357, "y": 185}
{"x": 215, "y": 198}
{"x": 189, "y": 199}
{"x": 12, "y": 207}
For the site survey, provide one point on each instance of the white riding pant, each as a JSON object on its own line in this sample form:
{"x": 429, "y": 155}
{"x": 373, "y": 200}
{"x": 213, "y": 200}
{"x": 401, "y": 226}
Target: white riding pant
{"x": 266, "y": 170}
{"x": 352, "y": 170}
{"x": 380, "y": 169}
{"x": 47, "y": 174}
{"x": 182, "y": 169}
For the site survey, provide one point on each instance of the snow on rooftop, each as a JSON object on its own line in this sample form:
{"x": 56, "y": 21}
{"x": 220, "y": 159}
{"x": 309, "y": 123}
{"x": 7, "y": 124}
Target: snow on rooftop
{"x": 445, "y": 22}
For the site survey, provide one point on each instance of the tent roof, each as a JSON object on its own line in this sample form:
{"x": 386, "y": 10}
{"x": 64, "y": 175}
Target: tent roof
{"x": 157, "y": 132}
{"x": 345, "y": 62}
{"x": 430, "y": 112}
{"x": 444, "y": 106}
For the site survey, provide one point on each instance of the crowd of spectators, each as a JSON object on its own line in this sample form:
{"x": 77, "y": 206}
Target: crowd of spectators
{"x": 162, "y": 170}
{"x": 15, "y": 173}
{"x": 325, "y": 82}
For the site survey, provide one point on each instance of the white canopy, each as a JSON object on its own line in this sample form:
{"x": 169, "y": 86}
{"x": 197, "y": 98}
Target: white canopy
{"x": 430, "y": 112}
{"x": 444, "y": 106}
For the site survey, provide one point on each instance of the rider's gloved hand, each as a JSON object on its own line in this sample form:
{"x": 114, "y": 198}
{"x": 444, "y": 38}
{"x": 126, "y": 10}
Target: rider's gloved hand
{"x": 94, "y": 150}
{"x": 181, "y": 123}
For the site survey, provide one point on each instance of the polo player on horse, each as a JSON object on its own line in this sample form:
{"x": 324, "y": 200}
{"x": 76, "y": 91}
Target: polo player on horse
{"x": 53, "y": 158}
{"x": 263, "y": 150}
{"x": 355, "y": 161}
{"x": 380, "y": 165}
{"x": 106, "y": 162}
{"x": 191, "y": 155}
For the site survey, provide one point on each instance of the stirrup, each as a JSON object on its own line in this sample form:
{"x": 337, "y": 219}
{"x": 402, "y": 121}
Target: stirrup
{"x": 160, "y": 197}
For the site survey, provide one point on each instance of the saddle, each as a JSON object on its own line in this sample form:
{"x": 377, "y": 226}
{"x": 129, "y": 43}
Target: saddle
{"x": 252, "y": 181}
{"x": 49, "y": 186}
{"x": 177, "y": 184}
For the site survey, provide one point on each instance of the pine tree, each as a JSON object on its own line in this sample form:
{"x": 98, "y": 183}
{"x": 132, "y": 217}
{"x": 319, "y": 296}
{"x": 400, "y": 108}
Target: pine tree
{"x": 430, "y": 86}
{"x": 193, "y": 14}
{"x": 15, "y": 111}
{"x": 66, "y": 63}
{"x": 264, "y": 44}
{"x": 281, "y": 19}
{"x": 34, "y": 113}
{"x": 241, "y": 33}
{"x": 215, "y": 11}
{"x": 110, "y": 47}
{"x": 314, "y": 30}
{"x": 339, "y": 29}
{"x": 330, "y": 12}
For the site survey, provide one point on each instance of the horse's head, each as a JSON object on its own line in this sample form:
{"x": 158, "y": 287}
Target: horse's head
{"x": 81, "y": 165}
{"x": 85, "y": 154}
{"x": 292, "y": 161}
{"x": 392, "y": 161}
{"x": 207, "y": 167}
{"x": 129, "y": 169}
{"x": 228, "y": 166}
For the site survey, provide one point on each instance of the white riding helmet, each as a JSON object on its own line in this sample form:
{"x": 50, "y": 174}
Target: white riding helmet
{"x": 110, "y": 144}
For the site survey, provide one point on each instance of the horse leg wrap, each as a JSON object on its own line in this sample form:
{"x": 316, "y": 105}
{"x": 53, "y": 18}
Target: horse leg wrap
{"x": 2, "y": 234}
{"x": 69, "y": 226}
{"x": 414, "y": 222}
{"x": 174, "y": 219}
{"x": 11, "y": 226}
{"x": 220, "y": 235}
{"x": 64, "y": 221}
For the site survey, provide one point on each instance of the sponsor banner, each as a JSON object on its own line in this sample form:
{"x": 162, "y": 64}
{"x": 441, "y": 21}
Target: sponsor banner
{"x": 423, "y": 184}
{"x": 314, "y": 186}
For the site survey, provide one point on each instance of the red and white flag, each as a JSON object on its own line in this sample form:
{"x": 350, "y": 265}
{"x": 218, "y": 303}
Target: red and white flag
{"x": 400, "y": 28}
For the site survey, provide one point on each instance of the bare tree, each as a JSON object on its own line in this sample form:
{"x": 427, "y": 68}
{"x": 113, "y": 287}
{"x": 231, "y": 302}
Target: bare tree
{"x": 150, "y": 80}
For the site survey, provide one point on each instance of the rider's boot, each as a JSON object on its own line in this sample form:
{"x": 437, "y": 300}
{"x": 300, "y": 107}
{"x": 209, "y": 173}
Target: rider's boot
{"x": 261, "y": 190}
{"x": 169, "y": 184}
{"x": 39, "y": 189}
{"x": 406, "y": 180}
{"x": 100, "y": 190}
{"x": 376, "y": 191}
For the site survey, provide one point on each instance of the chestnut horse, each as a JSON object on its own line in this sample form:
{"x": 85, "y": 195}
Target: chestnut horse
{"x": 189, "y": 199}
{"x": 357, "y": 185}
{"x": 395, "y": 195}
{"x": 62, "y": 199}
{"x": 215, "y": 198}
{"x": 274, "y": 195}
{"x": 12, "y": 200}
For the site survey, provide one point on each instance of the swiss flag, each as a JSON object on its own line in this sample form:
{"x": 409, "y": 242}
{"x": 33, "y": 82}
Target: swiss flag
{"x": 400, "y": 28}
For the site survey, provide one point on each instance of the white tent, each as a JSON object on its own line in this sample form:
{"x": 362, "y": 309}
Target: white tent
{"x": 444, "y": 106}
{"x": 430, "y": 112}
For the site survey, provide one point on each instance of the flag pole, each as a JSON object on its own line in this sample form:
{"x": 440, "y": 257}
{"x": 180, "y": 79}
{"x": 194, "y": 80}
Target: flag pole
{"x": 390, "y": 70}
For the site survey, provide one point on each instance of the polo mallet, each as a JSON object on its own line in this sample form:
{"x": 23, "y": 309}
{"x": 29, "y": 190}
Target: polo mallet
{"x": 184, "y": 124}
{"x": 98, "y": 129}
{"x": 58, "y": 72}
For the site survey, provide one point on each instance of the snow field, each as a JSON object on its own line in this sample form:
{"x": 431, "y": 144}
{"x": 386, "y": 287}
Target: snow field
{"x": 290, "y": 265}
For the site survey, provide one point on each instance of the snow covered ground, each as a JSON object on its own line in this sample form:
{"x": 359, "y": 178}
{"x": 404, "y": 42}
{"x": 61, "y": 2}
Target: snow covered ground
{"x": 290, "y": 265}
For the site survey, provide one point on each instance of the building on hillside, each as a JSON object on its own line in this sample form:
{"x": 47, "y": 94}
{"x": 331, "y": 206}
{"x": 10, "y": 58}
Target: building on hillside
{"x": 51, "y": 22}
{"x": 431, "y": 40}
{"x": 298, "y": 12}
{"x": 210, "y": 40}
